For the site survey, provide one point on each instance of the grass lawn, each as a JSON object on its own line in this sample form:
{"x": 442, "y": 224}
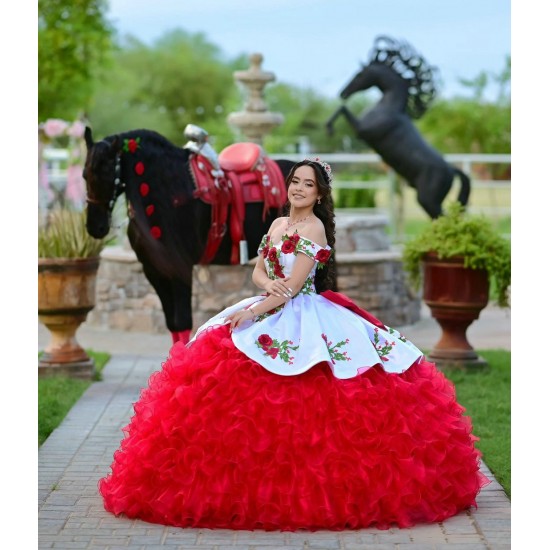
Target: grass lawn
{"x": 57, "y": 394}
{"x": 486, "y": 395}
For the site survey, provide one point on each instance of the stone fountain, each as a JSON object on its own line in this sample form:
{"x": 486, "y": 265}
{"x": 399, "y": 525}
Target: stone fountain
{"x": 255, "y": 121}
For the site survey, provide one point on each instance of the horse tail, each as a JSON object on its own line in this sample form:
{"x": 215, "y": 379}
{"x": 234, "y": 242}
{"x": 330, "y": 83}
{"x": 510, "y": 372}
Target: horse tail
{"x": 464, "y": 193}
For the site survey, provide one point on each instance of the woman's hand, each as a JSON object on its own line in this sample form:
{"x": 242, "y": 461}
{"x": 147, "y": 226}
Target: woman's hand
{"x": 236, "y": 319}
{"x": 278, "y": 288}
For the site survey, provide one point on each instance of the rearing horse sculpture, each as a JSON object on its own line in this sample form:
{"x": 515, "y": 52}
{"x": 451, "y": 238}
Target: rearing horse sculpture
{"x": 406, "y": 82}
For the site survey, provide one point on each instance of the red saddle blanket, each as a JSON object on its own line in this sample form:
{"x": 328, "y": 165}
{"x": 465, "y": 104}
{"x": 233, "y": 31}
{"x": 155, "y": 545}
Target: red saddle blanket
{"x": 247, "y": 176}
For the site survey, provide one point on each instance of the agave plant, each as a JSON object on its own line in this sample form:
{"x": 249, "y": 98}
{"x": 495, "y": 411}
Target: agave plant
{"x": 64, "y": 235}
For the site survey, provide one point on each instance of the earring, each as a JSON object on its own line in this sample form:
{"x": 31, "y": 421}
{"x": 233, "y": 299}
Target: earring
{"x": 318, "y": 200}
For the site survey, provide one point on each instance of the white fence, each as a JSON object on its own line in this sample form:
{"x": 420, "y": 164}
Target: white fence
{"x": 393, "y": 196}
{"x": 396, "y": 199}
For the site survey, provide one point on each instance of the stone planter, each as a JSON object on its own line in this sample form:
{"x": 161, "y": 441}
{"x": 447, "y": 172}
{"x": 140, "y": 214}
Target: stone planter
{"x": 456, "y": 296}
{"x": 66, "y": 293}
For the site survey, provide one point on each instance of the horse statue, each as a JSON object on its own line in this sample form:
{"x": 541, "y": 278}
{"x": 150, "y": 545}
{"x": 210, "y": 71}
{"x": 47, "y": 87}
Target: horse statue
{"x": 186, "y": 206}
{"x": 407, "y": 85}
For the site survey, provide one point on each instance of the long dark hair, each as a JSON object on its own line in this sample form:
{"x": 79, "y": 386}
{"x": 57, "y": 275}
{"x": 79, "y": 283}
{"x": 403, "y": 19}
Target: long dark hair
{"x": 325, "y": 279}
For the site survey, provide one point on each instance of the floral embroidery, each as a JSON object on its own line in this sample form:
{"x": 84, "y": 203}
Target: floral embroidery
{"x": 289, "y": 243}
{"x": 308, "y": 287}
{"x": 273, "y": 265}
{"x": 263, "y": 249}
{"x": 335, "y": 354}
{"x": 263, "y": 316}
{"x": 382, "y": 350}
{"x": 292, "y": 244}
{"x": 273, "y": 348}
{"x": 322, "y": 257}
{"x": 392, "y": 331}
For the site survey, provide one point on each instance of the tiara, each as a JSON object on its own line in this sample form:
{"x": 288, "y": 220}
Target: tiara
{"x": 324, "y": 165}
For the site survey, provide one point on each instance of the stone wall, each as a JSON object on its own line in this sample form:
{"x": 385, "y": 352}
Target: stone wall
{"x": 369, "y": 271}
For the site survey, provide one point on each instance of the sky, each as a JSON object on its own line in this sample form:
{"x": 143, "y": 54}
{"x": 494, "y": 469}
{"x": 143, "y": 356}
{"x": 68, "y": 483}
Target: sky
{"x": 322, "y": 43}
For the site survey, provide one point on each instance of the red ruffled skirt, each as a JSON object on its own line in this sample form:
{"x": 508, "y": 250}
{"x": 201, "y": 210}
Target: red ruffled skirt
{"x": 217, "y": 441}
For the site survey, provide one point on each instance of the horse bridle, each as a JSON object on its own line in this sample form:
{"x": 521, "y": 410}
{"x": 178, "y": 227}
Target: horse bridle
{"x": 118, "y": 188}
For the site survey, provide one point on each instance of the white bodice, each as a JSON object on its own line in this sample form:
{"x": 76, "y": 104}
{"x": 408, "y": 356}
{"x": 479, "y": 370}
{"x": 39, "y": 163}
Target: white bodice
{"x": 310, "y": 329}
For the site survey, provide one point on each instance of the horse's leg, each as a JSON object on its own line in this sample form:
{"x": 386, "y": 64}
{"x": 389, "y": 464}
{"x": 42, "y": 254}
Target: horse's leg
{"x": 175, "y": 298}
{"x": 182, "y": 311}
{"x": 354, "y": 122}
{"x": 432, "y": 185}
{"x": 330, "y": 122}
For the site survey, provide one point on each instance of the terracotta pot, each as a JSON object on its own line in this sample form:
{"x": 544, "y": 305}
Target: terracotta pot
{"x": 456, "y": 296}
{"x": 66, "y": 294}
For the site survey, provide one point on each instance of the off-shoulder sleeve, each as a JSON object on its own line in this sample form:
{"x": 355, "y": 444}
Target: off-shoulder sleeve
{"x": 263, "y": 244}
{"x": 316, "y": 252}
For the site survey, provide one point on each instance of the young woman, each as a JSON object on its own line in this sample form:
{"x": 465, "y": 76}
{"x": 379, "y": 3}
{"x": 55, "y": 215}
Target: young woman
{"x": 296, "y": 409}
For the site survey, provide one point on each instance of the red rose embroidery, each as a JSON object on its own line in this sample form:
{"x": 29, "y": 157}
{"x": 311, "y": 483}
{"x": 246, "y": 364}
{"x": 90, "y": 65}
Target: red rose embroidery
{"x": 144, "y": 189}
{"x": 322, "y": 256}
{"x": 279, "y": 272}
{"x": 273, "y": 352}
{"x": 288, "y": 247}
{"x": 150, "y": 209}
{"x": 272, "y": 254}
{"x": 139, "y": 168}
{"x": 132, "y": 145}
{"x": 265, "y": 250}
{"x": 265, "y": 340}
{"x": 295, "y": 238}
{"x": 156, "y": 232}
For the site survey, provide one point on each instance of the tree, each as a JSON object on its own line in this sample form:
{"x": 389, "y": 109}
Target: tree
{"x": 180, "y": 79}
{"x": 473, "y": 125}
{"x": 74, "y": 40}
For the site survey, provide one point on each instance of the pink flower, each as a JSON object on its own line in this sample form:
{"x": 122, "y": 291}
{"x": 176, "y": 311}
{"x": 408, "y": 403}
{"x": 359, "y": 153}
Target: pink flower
{"x": 76, "y": 130}
{"x": 55, "y": 127}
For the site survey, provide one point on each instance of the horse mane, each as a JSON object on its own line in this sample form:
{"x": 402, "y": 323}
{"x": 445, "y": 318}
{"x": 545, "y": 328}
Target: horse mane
{"x": 168, "y": 177}
{"x": 412, "y": 67}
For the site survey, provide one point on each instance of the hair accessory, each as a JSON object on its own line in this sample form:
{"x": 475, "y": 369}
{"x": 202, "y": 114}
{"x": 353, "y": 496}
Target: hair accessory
{"x": 324, "y": 165}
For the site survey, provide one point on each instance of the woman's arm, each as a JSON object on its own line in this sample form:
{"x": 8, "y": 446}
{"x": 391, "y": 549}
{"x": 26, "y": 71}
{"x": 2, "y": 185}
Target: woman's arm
{"x": 300, "y": 271}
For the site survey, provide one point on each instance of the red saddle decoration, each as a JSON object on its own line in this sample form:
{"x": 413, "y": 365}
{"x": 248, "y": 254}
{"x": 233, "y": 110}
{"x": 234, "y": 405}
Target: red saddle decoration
{"x": 248, "y": 176}
{"x": 240, "y": 157}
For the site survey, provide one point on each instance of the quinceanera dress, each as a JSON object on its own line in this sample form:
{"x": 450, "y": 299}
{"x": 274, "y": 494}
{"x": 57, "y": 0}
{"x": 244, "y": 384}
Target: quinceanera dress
{"x": 312, "y": 416}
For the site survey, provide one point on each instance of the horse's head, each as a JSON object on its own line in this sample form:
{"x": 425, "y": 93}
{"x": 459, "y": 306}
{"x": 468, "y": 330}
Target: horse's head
{"x": 363, "y": 80}
{"x": 103, "y": 184}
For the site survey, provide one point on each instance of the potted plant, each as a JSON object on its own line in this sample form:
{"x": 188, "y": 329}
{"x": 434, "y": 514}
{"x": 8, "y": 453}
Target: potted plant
{"x": 458, "y": 259}
{"x": 68, "y": 260}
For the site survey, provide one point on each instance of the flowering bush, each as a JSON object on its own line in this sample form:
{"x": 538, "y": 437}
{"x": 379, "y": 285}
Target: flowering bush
{"x": 60, "y": 134}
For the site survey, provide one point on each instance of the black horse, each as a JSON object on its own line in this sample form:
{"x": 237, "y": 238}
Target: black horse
{"x": 168, "y": 224}
{"x": 407, "y": 85}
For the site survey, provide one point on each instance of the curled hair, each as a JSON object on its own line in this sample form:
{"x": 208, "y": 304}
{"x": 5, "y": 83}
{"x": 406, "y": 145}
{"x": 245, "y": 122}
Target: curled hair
{"x": 325, "y": 279}
{"x": 412, "y": 67}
